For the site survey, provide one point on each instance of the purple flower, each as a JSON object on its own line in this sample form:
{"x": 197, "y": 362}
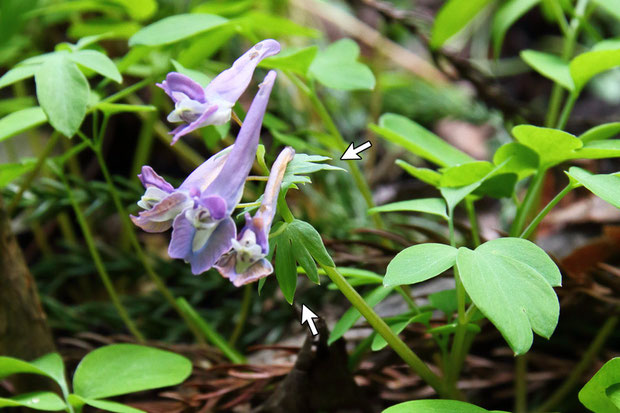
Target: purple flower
{"x": 203, "y": 232}
{"x": 197, "y": 107}
{"x": 245, "y": 262}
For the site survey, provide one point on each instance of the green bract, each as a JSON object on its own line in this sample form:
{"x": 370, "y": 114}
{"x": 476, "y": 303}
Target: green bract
{"x": 600, "y": 394}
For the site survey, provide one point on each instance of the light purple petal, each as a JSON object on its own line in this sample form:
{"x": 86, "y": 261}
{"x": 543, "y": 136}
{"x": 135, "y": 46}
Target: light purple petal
{"x": 267, "y": 208}
{"x": 159, "y": 218}
{"x": 215, "y": 205}
{"x": 149, "y": 178}
{"x": 185, "y": 129}
{"x": 202, "y": 176}
{"x": 231, "y": 83}
{"x": 176, "y": 82}
{"x": 218, "y": 243}
{"x": 226, "y": 267}
{"x": 229, "y": 183}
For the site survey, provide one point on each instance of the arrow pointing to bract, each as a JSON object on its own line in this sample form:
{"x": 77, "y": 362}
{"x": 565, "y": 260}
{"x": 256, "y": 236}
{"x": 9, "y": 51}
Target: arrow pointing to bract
{"x": 307, "y": 316}
{"x": 351, "y": 154}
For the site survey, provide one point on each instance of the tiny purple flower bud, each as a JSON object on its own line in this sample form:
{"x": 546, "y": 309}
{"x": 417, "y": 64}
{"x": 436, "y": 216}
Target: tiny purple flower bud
{"x": 196, "y": 107}
{"x": 245, "y": 262}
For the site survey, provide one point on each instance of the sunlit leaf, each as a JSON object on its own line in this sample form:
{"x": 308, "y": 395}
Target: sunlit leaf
{"x": 550, "y": 66}
{"x": 600, "y": 132}
{"x": 435, "y": 206}
{"x": 506, "y": 16}
{"x": 594, "y": 394}
{"x": 606, "y": 187}
{"x": 20, "y": 121}
{"x": 517, "y": 158}
{"x": 452, "y": 17}
{"x": 38, "y": 400}
{"x": 397, "y": 327}
{"x": 16, "y": 74}
{"x": 97, "y": 62}
{"x": 337, "y": 67}
{"x": 604, "y": 56}
{"x": 423, "y": 174}
{"x": 174, "y": 28}
{"x": 552, "y": 145}
{"x": 419, "y": 263}
{"x": 436, "y": 406}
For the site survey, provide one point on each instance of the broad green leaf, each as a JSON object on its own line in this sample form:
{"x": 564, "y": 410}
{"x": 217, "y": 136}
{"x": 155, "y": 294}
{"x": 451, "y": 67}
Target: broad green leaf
{"x": 195, "y": 75}
{"x": 552, "y": 145}
{"x": 510, "y": 280}
{"x": 423, "y": 174}
{"x": 518, "y": 159}
{"x": 12, "y": 171}
{"x": 606, "y": 187}
{"x": 609, "y": 148}
{"x": 97, "y": 62}
{"x": 378, "y": 343}
{"x": 285, "y": 268}
{"x": 20, "y": 121}
{"x": 589, "y": 64}
{"x": 297, "y": 61}
{"x": 452, "y": 17}
{"x": 436, "y": 406}
{"x": 418, "y": 140}
{"x": 500, "y": 185}
{"x": 10, "y": 365}
{"x": 54, "y": 367}
{"x": 550, "y": 66}
{"x": 600, "y": 132}
{"x": 613, "y": 392}
{"x": 127, "y": 368}
{"x": 138, "y": 9}
{"x": 274, "y": 26}
{"x": 455, "y": 195}
{"x": 465, "y": 174}
{"x": 112, "y": 29}
{"x": 44, "y": 400}
{"x": 435, "y": 206}
{"x": 62, "y": 91}
{"x": 506, "y": 16}
{"x": 444, "y": 300}
{"x": 16, "y": 74}
{"x": 174, "y": 28}
{"x": 610, "y": 6}
{"x": 594, "y": 396}
{"x": 303, "y": 257}
{"x": 337, "y": 67}
{"x": 310, "y": 238}
{"x": 105, "y": 405}
{"x": 350, "y": 317}
{"x": 419, "y": 263}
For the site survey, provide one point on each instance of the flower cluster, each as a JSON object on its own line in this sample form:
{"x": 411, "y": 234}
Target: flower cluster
{"x": 199, "y": 210}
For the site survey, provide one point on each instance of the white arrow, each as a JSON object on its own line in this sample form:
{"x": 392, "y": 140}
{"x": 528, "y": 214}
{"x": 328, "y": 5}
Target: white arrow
{"x": 351, "y": 154}
{"x": 307, "y": 316}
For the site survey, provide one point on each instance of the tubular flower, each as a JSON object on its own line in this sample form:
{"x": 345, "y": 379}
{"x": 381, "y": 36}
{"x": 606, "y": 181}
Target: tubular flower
{"x": 245, "y": 262}
{"x": 203, "y": 232}
{"x": 196, "y": 107}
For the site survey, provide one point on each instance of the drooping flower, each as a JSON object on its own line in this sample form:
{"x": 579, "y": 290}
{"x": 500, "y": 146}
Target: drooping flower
{"x": 203, "y": 232}
{"x": 196, "y": 107}
{"x": 245, "y": 262}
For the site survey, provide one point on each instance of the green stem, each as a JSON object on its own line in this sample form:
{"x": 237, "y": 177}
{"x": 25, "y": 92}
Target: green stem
{"x": 521, "y": 384}
{"x": 473, "y": 220}
{"x": 243, "y": 315}
{"x": 51, "y": 143}
{"x": 577, "y": 372}
{"x": 105, "y": 278}
{"x": 461, "y": 330}
{"x": 568, "y": 107}
{"x": 340, "y": 144}
{"x": 527, "y": 232}
{"x": 283, "y": 208}
{"x": 528, "y": 203}
{"x": 405, "y": 292}
{"x": 384, "y": 330}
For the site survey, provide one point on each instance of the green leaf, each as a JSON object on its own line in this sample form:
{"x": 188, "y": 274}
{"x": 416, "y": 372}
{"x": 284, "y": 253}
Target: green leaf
{"x": 303, "y": 164}
{"x": 465, "y": 174}
{"x": 610, "y": 6}
{"x": 297, "y": 61}
{"x": 419, "y": 263}
{"x": 518, "y": 159}
{"x": 418, "y": 140}
{"x": 378, "y": 343}
{"x": 110, "y": 28}
{"x": 111, "y": 108}
{"x": 452, "y": 327}
{"x": 138, "y": 9}
{"x": 98, "y": 62}
{"x": 510, "y": 280}
{"x": 62, "y": 91}
{"x": 107, "y": 405}
{"x": 43, "y": 400}
{"x": 423, "y": 174}
{"x": 198, "y": 77}
{"x": 606, "y": 187}
{"x": 444, "y": 300}
{"x": 310, "y": 238}
{"x": 20, "y": 121}
{"x": 12, "y": 171}
{"x": 337, "y": 67}
{"x": 286, "y": 270}
{"x": 274, "y": 26}
{"x": 54, "y": 367}
{"x": 550, "y": 66}
{"x": 600, "y": 132}
{"x": 350, "y": 317}
{"x": 303, "y": 257}
{"x": 593, "y": 395}
{"x": 435, "y": 206}
{"x": 452, "y": 17}
{"x": 500, "y": 185}
{"x": 552, "y": 145}
{"x": 16, "y": 74}
{"x": 589, "y": 64}
{"x": 506, "y": 16}
{"x": 609, "y": 148}
{"x": 127, "y": 368}
{"x": 174, "y": 28}
{"x": 436, "y": 406}
{"x": 10, "y": 365}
